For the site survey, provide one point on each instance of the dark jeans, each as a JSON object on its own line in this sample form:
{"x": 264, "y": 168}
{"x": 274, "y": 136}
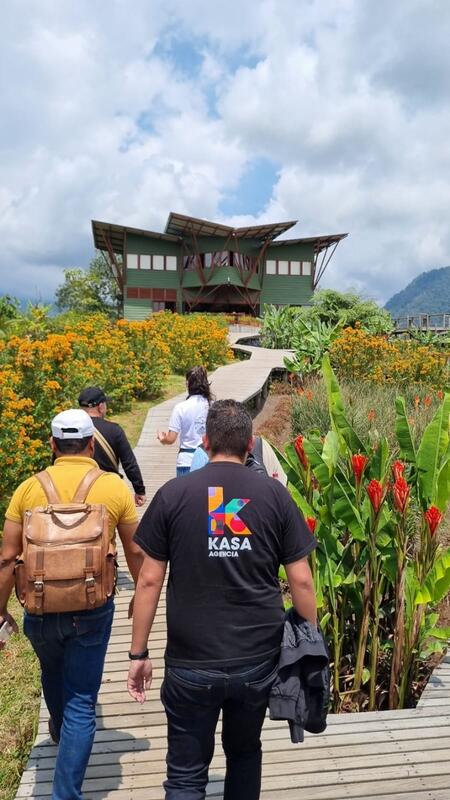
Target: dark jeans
{"x": 71, "y": 649}
{"x": 182, "y": 471}
{"x": 193, "y": 699}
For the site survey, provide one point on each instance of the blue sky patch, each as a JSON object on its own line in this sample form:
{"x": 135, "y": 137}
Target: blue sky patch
{"x": 254, "y": 190}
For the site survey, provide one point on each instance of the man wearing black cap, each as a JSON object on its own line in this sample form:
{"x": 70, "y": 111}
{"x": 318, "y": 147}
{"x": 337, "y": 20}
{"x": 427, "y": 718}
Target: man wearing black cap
{"x": 111, "y": 444}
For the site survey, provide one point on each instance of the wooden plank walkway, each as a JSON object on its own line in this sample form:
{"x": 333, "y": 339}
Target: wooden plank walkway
{"x": 400, "y": 755}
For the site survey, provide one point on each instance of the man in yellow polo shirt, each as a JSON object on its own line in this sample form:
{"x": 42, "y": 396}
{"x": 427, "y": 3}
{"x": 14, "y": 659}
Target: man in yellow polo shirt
{"x": 71, "y": 647}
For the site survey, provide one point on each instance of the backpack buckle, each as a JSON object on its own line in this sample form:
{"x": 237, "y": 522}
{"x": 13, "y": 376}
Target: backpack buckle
{"x": 39, "y": 587}
{"x": 90, "y": 582}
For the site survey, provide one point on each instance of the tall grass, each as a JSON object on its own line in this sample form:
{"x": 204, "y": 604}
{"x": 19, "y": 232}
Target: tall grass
{"x": 370, "y": 409}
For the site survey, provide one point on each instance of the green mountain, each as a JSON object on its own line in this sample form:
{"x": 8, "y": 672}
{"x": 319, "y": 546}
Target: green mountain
{"x": 429, "y": 293}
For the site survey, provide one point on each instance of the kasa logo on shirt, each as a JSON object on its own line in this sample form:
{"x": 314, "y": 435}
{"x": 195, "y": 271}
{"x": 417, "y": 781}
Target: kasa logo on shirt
{"x": 221, "y": 516}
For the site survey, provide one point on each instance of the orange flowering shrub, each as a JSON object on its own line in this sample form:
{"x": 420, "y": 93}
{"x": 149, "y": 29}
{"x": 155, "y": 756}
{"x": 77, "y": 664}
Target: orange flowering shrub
{"x": 359, "y": 355}
{"x": 43, "y": 373}
{"x": 193, "y": 339}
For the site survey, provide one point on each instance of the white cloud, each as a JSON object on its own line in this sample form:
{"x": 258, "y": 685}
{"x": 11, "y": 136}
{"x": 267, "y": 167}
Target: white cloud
{"x": 348, "y": 97}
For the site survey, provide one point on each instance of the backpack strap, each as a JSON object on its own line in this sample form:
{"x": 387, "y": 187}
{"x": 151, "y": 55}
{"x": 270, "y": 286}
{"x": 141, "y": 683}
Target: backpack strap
{"x": 48, "y": 486}
{"x": 86, "y": 484}
{"x": 106, "y": 447}
{"x": 257, "y": 451}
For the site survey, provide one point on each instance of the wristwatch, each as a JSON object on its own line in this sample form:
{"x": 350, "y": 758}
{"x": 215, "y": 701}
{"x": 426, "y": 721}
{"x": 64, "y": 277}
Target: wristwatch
{"x": 138, "y": 656}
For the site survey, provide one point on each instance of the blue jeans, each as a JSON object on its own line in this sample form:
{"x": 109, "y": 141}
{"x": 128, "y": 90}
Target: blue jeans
{"x": 182, "y": 471}
{"x": 193, "y": 699}
{"x": 71, "y": 649}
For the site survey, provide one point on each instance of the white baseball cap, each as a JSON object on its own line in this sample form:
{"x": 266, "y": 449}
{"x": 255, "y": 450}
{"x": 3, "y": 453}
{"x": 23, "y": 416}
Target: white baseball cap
{"x": 72, "y": 424}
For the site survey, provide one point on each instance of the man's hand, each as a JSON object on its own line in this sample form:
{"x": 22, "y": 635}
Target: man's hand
{"x": 6, "y": 617}
{"x": 139, "y": 499}
{"x": 139, "y": 679}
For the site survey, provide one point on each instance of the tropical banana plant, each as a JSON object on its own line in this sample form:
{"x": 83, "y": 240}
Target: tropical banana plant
{"x": 379, "y": 570}
{"x": 310, "y": 341}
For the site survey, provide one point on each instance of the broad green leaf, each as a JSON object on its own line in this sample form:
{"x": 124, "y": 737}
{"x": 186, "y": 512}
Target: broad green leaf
{"x": 350, "y": 579}
{"x": 365, "y": 675}
{"x": 345, "y": 509}
{"x": 439, "y": 633}
{"x": 290, "y": 463}
{"x": 442, "y": 496}
{"x": 403, "y": 432}
{"x": 379, "y": 463}
{"x": 432, "y": 448}
{"x": 301, "y": 502}
{"x": 330, "y": 452}
{"x": 318, "y": 465}
{"x": 437, "y": 583}
{"x": 292, "y": 365}
{"x": 347, "y": 436}
{"x": 324, "y": 621}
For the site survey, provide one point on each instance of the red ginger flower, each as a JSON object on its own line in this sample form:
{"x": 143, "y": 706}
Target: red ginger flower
{"x": 433, "y": 519}
{"x": 398, "y": 469}
{"x": 375, "y": 492}
{"x": 311, "y": 523}
{"x": 298, "y": 444}
{"x": 359, "y": 464}
{"x": 401, "y": 492}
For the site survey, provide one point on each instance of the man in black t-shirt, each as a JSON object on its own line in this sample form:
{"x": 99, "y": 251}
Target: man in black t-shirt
{"x": 225, "y": 531}
{"x": 111, "y": 444}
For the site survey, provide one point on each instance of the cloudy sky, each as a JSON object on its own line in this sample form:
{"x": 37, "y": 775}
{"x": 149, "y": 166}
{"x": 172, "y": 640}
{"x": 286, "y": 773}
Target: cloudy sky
{"x": 335, "y": 113}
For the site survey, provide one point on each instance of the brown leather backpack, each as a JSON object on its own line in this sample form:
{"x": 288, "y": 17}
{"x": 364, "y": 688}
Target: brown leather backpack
{"x": 68, "y": 561}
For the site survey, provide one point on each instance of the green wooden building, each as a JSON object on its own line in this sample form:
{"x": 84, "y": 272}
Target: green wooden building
{"x": 197, "y": 265}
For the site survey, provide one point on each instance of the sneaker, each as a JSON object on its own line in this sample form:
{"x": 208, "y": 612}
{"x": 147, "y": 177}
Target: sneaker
{"x": 52, "y": 731}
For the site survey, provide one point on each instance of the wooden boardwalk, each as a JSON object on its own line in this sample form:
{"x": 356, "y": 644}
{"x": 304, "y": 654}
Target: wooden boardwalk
{"x": 400, "y": 755}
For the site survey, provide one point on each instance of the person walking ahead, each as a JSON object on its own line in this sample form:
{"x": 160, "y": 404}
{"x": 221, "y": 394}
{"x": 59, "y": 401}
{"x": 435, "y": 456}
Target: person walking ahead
{"x": 225, "y": 530}
{"x": 188, "y": 418}
{"x": 70, "y": 646}
{"x": 111, "y": 444}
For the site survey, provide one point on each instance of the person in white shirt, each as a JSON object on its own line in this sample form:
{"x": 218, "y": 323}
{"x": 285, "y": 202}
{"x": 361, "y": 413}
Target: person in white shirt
{"x": 188, "y": 419}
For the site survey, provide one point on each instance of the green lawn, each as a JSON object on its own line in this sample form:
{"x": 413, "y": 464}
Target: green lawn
{"x": 132, "y": 421}
{"x": 20, "y": 684}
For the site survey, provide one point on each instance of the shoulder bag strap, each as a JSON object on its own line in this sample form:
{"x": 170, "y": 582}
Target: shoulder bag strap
{"x": 48, "y": 486}
{"x": 86, "y": 484}
{"x": 106, "y": 447}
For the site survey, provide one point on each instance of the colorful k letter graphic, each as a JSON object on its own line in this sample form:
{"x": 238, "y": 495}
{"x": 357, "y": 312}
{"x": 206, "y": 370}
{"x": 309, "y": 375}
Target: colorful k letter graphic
{"x": 220, "y": 514}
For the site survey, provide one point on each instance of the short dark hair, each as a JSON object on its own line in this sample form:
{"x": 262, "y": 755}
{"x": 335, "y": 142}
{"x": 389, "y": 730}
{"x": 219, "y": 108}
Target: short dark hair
{"x": 71, "y": 447}
{"x": 229, "y": 428}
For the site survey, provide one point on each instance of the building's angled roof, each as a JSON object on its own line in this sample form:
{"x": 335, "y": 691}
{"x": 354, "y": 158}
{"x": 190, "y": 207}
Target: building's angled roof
{"x": 263, "y": 232}
{"x": 181, "y": 225}
{"x": 320, "y": 242}
{"x": 116, "y": 235}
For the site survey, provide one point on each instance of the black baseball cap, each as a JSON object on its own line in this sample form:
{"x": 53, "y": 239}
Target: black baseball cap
{"x": 92, "y": 396}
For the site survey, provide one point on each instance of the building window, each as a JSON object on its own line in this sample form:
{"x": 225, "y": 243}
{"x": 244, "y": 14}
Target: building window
{"x": 157, "y": 262}
{"x": 293, "y": 268}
